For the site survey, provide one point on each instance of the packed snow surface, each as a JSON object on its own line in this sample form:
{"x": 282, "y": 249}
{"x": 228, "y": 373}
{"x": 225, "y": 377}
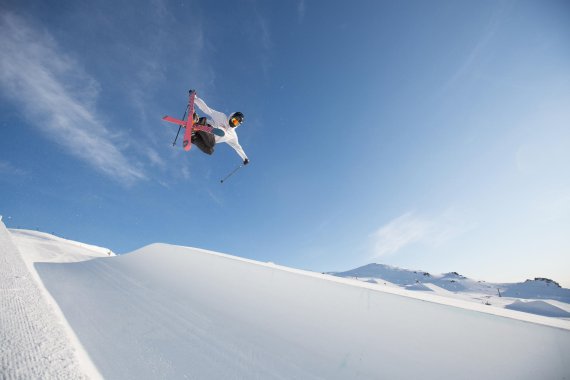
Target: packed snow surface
{"x": 35, "y": 341}
{"x": 539, "y": 307}
{"x": 176, "y": 312}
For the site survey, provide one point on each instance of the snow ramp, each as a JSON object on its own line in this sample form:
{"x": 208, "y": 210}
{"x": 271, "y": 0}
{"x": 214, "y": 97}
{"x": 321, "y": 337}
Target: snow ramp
{"x": 175, "y": 312}
{"x": 35, "y": 343}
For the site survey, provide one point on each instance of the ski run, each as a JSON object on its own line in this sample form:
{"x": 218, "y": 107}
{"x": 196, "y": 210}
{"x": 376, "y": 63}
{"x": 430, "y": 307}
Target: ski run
{"x": 72, "y": 311}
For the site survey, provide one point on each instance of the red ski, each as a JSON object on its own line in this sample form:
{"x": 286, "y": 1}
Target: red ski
{"x": 195, "y": 127}
{"x": 187, "y": 141}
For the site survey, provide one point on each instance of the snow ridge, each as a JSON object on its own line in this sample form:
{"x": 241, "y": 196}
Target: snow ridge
{"x": 33, "y": 344}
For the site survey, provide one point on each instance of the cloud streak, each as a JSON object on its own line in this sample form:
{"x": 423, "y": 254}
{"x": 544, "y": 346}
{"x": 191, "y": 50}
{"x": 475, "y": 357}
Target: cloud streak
{"x": 410, "y": 228}
{"x": 470, "y": 62}
{"x": 301, "y": 11}
{"x": 58, "y": 97}
{"x": 398, "y": 233}
{"x": 9, "y": 170}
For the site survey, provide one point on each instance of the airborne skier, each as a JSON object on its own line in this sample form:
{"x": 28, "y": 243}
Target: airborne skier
{"x": 206, "y": 141}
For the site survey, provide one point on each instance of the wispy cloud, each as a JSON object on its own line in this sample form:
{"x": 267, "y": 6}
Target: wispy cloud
{"x": 265, "y": 35}
{"x": 9, "y": 170}
{"x": 219, "y": 201}
{"x": 261, "y": 33}
{"x": 487, "y": 35}
{"x": 301, "y": 11}
{"x": 398, "y": 233}
{"x": 58, "y": 97}
{"x": 411, "y": 228}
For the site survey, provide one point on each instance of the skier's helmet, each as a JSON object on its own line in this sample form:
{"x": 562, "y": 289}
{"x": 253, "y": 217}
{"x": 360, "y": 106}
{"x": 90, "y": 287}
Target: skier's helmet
{"x": 236, "y": 119}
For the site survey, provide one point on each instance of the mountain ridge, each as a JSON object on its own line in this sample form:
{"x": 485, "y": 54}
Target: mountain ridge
{"x": 537, "y": 288}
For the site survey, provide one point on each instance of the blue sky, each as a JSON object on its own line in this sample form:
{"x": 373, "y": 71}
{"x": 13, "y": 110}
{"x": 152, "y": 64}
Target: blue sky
{"x": 428, "y": 135}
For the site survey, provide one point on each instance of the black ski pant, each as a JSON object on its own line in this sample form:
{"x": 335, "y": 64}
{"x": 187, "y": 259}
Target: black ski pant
{"x": 204, "y": 141}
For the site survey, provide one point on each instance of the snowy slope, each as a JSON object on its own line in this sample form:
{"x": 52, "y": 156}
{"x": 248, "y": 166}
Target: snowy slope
{"x": 536, "y": 289}
{"x": 176, "y": 312}
{"x": 538, "y": 307}
{"x": 43, "y": 247}
{"x": 35, "y": 341}
{"x": 173, "y": 312}
{"x": 457, "y": 286}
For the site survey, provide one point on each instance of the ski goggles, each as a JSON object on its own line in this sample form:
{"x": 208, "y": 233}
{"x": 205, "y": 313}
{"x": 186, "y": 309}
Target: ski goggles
{"x": 235, "y": 121}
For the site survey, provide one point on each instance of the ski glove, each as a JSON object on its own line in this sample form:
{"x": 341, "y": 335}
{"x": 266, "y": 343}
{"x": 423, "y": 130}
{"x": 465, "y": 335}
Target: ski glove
{"x": 246, "y": 161}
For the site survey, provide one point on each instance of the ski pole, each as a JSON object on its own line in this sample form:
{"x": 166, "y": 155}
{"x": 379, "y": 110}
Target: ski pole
{"x": 229, "y": 175}
{"x": 180, "y": 127}
{"x": 177, "y": 133}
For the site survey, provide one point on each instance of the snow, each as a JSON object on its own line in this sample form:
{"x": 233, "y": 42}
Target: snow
{"x": 35, "y": 340}
{"x": 420, "y": 287}
{"x": 539, "y": 307}
{"x": 537, "y": 289}
{"x": 454, "y": 285}
{"x": 43, "y": 247}
{"x": 176, "y": 312}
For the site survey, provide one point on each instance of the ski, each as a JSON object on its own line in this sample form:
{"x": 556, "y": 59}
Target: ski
{"x": 187, "y": 141}
{"x": 174, "y": 120}
{"x": 195, "y": 127}
{"x": 208, "y": 128}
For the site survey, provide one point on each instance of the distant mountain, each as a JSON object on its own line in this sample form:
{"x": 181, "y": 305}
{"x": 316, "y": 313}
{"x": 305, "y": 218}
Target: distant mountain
{"x": 539, "y": 288}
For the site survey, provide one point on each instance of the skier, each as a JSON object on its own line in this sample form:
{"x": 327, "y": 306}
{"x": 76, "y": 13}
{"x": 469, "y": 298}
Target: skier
{"x": 206, "y": 141}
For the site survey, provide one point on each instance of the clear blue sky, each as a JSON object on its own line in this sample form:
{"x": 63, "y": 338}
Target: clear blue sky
{"x": 430, "y": 135}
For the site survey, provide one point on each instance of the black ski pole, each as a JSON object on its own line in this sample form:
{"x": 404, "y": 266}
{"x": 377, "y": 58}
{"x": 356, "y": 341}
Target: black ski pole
{"x": 177, "y": 133}
{"x": 232, "y": 173}
{"x": 179, "y": 127}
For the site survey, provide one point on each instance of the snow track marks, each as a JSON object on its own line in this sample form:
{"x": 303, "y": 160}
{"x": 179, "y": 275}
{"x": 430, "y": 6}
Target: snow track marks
{"x": 33, "y": 344}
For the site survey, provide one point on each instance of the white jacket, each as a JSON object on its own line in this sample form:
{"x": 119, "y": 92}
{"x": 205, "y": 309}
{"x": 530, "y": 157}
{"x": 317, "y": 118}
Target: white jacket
{"x": 221, "y": 120}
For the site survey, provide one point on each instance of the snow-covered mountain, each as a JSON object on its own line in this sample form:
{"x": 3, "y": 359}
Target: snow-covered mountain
{"x": 509, "y": 295}
{"x": 175, "y": 312}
